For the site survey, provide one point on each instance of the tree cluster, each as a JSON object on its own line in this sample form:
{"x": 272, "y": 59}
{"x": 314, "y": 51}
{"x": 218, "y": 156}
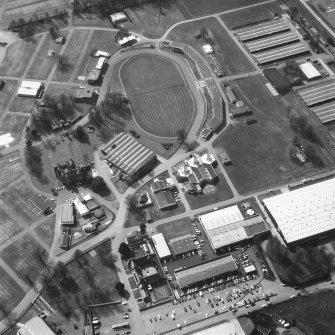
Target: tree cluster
{"x": 299, "y": 266}
{"x": 302, "y": 126}
{"x": 81, "y": 135}
{"x": 99, "y": 186}
{"x": 125, "y": 251}
{"x": 63, "y": 64}
{"x": 134, "y": 210}
{"x": 33, "y": 156}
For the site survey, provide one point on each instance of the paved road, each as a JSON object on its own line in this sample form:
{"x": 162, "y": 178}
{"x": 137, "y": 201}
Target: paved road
{"x": 119, "y": 207}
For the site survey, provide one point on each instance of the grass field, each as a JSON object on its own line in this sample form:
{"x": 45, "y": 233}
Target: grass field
{"x": 43, "y": 63}
{"x": 326, "y": 10}
{"x": 313, "y": 313}
{"x": 97, "y": 41}
{"x": 148, "y": 20}
{"x": 72, "y": 51}
{"x": 160, "y": 98}
{"x": 15, "y": 125}
{"x": 17, "y": 199}
{"x": 251, "y": 15}
{"x": 8, "y": 226}
{"x": 203, "y": 7}
{"x": 18, "y": 56}
{"x": 229, "y": 55}
{"x": 10, "y": 292}
{"x": 45, "y": 231}
{"x": 7, "y": 92}
{"x": 260, "y": 152}
{"x": 22, "y": 104}
{"x": 16, "y": 9}
{"x": 176, "y": 228}
{"x": 20, "y": 257}
{"x": 11, "y": 168}
{"x": 221, "y": 192}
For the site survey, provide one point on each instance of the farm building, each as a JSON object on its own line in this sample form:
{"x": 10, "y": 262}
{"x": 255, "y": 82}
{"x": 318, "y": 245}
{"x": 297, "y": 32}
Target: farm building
{"x": 232, "y": 327}
{"x": 304, "y": 213}
{"x": 67, "y": 215}
{"x": 318, "y": 94}
{"x": 309, "y": 71}
{"x": 279, "y": 82}
{"x": 207, "y": 49}
{"x": 238, "y": 112}
{"x": 231, "y": 95}
{"x": 261, "y": 30}
{"x": 281, "y": 53}
{"x": 205, "y": 271}
{"x": 182, "y": 245}
{"x": 128, "y": 155}
{"x": 127, "y": 40}
{"x": 162, "y": 184}
{"x": 99, "y": 53}
{"x": 94, "y": 77}
{"x": 161, "y": 246}
{"x": 118, "y": 18}
{"x": 272, "y": 42}
{"x": 227, "y": 226}
{"x": 35, "y": 326}
{"x": 85, "y": 94}
{"x": 100, "y": 63}
{"x": 80, "y": 207}
{"x": 325, "y": 112}
{"x": 29, "y": 89}
{"x": 165, "y": 199}
{"x": 66, "y": 239}
{"x": 59, "y": 40}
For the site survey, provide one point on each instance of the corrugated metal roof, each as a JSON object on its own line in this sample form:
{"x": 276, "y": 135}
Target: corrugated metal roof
{"x": 127, "y": 154}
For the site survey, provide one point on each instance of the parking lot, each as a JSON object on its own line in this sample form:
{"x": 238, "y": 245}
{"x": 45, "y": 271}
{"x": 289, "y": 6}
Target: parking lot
{"x": 236, "y": 297}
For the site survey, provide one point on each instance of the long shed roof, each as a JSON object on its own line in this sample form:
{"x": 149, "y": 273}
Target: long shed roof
{"x": 319, "y": 93}
{"x": 127, "y": 154}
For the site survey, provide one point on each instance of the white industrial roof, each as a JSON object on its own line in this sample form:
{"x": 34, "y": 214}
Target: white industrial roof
{"x": 221, "y": 217}
{"x": 226, "y": 328}
{"x": 27, "y": 92}
{"x": 304, "y": 212}
{"x": 309, "y": 70}
{"x": 80, "y": 207}
{"x": 100, "y": 63}
{"x": 118, "y": 17}
{"x": 161, "y": 246}
{"x": 31, "y": 84}
{"x": 35, "y": 326}
{"x": 250, "y": 268}
{"x": 207, "y": 48}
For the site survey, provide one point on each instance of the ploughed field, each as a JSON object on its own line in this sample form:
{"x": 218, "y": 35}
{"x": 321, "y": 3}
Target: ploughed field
{"x": 160, "y": 98}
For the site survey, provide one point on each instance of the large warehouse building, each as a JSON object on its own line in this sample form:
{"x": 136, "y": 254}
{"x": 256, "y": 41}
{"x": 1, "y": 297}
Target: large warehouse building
{"x": 325, "y": 112}
{"x": 261, "y": 30}
{"x": 205, "y": 271}
{"x": 304, "y": 213}
{"x": 228, "y": 226}
{"x": 281, "y": 53}
{"x": 128, "y": 155}
{"x": 318, "y": 94}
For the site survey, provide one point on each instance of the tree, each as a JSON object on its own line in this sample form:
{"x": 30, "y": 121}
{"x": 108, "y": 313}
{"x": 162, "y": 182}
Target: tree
{"x": 53, "y": 32}
{"x": 81, "y": 135}
{"x": 131, "y": 201}
{"x": 181, "y": 134}
{"x": 120, "y": 288}
{"x": 125, "y": 251}
{"x": 143, "y": 228}
{"x": 63, "y": 64}
{"x": 99, "y": 186}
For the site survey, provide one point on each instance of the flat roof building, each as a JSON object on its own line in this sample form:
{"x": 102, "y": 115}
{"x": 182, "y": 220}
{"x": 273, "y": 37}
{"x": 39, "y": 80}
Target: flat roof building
{"x": 128, "y": 155}
{"x": 304, "y": 213}
{"x": 310, "y": 71}
{"x": 231, "y": 327}
{"x": 165, "y": 199}
{"x": 228, "y": 226}
{"x": 182, "y": 244}
{"x": 35, "y": 326}
{"x": 161, "y": 246}
{"x": 100, "y": 63}
{"x": 80, "y": 207}
{"x": 205, "y": 271}
{"x": 118, "y": 18}
{"x": 67, "y": 215}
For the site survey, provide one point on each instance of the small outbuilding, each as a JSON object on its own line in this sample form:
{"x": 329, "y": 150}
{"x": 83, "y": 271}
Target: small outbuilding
{"x": 309, "y": 71}
{"x": 118, "y": 18}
